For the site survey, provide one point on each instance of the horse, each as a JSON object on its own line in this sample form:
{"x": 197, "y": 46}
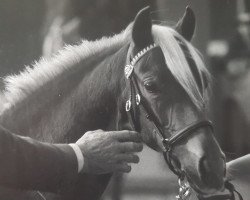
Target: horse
{"x": 163, "y": 89}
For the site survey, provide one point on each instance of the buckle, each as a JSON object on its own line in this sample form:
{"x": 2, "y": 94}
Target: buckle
{"x": 137, "y": 99}
{"x": 166, "y": 144}
{"x": 128, "y": 105}
{"x": 128, "y": 70}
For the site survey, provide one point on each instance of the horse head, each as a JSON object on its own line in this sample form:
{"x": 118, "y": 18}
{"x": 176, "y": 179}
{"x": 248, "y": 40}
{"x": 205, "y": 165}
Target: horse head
{"x": 166, "y": 79}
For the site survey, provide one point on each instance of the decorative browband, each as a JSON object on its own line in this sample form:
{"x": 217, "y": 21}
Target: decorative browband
{"x": 130, "y": 67}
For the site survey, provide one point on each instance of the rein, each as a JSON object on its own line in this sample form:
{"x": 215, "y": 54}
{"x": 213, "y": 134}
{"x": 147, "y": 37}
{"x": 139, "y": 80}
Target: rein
{"x": 136, "y": 103}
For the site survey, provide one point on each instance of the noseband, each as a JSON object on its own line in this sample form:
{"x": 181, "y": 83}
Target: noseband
{"x": 136, "y": 102}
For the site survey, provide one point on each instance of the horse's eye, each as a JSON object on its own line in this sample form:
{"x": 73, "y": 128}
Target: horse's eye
{"x": 151, "y": 86}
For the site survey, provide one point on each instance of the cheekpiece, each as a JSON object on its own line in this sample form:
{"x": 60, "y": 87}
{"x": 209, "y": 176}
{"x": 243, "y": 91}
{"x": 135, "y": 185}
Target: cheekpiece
{"x": 128, "y": 70}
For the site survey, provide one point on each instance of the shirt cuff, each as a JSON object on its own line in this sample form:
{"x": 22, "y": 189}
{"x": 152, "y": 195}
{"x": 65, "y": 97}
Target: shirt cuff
{"x": 79, "y": 156}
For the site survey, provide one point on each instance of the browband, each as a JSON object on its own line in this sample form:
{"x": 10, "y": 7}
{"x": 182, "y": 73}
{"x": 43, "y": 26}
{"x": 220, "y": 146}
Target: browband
{"x": 130, "y": 67}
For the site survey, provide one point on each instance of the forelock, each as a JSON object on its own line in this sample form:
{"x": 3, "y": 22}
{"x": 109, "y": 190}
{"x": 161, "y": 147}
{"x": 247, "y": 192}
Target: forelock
{"x": 169, "y": 41}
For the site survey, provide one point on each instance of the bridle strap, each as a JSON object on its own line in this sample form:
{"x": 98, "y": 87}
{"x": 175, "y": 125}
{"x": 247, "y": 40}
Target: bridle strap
{"x": 146, "y": 109}
{"x": 231, "y": 196}
{"x": 232, "y": 190}
{"x": 133, "y": 112}
{"x": 185, "y": 132}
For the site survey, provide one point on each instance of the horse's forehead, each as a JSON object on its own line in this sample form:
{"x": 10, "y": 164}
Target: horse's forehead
{"x": 153, "y": 61}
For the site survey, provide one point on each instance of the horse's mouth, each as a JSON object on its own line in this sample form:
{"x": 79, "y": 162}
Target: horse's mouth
{"x": 203, "y": 192}
{"x": 216, "y": 195}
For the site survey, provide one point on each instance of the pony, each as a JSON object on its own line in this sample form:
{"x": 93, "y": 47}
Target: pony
{"x": 84, "y": 88}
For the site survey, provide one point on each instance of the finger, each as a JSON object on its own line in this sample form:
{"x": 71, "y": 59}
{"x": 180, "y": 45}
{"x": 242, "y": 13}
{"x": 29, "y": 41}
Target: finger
{"x": 95, "y": 131}
{"x": 128, "y": 158}
{"x": 128, "y": 136}
{"x": 91, "y": 132}
{"x": 124, "y": 167}
{"x": 128, "y": 147}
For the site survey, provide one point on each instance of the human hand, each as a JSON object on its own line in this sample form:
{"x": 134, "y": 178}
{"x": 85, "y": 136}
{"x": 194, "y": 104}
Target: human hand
{"x": 106, "y": 152}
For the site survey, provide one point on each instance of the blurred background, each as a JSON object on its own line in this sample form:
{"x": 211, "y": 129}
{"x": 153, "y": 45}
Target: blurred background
{"x": 30, "y": 29}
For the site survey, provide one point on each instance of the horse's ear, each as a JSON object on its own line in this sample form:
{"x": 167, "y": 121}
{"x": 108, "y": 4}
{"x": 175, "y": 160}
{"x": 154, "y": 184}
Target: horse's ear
{"x": 186, "y": 24}
{"x": 142, "y": 29}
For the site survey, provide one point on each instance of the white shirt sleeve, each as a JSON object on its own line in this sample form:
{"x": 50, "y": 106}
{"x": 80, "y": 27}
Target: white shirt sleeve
{"x": 79, "y": 156}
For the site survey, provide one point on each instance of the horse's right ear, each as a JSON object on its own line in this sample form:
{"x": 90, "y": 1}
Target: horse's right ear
{"x": 142, "y": 29}
{"x": 186, "y": 25}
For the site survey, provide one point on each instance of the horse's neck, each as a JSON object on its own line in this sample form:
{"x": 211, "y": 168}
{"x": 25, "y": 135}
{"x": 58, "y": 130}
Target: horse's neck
{"x": 83, "y": 104}
{"x": 97, "y": 99}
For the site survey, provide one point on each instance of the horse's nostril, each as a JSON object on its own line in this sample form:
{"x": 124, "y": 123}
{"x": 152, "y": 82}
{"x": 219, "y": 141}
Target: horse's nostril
{"x": 210, "y": 173}
{"x": 203, "y": 168}
{"x": 207, "y": 176}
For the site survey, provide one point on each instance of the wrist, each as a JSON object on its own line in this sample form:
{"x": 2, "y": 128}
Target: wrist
{"x": 79, "y": 156}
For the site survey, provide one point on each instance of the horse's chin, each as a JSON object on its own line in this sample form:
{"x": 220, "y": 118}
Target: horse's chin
{"x": 205, "y": 192}
{"x": 217, "y": 195}
{"x": 212, "y": 195}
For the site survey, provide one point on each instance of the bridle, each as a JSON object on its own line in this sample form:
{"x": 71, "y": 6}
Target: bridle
{"x": 137, "y": 102}
{"x": 137, "y": 105}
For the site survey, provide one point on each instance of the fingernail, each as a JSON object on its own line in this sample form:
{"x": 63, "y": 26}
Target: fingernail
{"x": 140, "y": 146}
{"x": 128, "y": 169}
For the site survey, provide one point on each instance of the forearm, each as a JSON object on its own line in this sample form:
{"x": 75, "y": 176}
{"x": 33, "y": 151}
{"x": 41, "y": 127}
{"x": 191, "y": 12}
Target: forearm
{"x": 239, "y": 168}
{"x": 28, "y": 164}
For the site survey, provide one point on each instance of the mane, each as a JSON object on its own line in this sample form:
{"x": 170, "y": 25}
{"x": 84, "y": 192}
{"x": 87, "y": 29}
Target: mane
{"x": 20, "y": 86}
{"x": 169, "y": 41}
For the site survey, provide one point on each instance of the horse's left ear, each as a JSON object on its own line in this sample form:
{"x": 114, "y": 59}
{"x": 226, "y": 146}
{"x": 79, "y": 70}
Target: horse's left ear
{"x": 186, "y": 24}
{"x": 142, "y": 29}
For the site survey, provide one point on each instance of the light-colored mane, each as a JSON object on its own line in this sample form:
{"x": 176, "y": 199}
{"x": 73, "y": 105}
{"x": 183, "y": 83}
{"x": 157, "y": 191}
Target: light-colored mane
{"x": 169, "y": 41}
{"x": 20, "y": 86}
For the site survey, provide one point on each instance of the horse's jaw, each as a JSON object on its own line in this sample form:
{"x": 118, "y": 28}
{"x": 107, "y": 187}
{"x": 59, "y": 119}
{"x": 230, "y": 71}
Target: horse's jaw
{"x": 154, "y": 141}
